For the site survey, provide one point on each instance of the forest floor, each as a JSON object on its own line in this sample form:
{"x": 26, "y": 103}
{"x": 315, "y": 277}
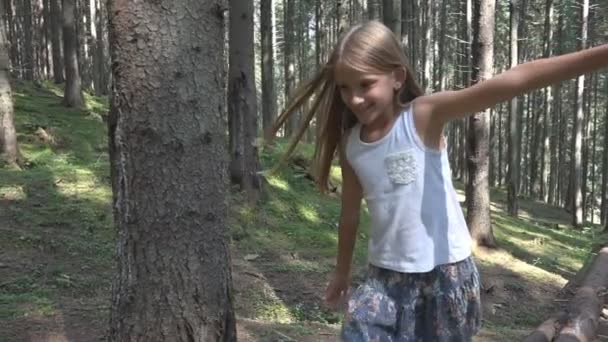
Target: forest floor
{"x": 57, "y": 242}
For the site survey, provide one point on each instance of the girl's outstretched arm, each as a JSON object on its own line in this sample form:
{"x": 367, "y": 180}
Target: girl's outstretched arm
{"x": 433, "y": 111}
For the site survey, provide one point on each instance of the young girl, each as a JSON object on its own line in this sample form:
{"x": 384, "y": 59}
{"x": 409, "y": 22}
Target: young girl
{"x": 422, "y": 283}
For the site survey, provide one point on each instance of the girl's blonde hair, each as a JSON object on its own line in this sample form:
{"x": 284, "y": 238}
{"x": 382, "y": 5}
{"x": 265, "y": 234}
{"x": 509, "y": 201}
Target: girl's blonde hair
{"x": 369, "y": 47}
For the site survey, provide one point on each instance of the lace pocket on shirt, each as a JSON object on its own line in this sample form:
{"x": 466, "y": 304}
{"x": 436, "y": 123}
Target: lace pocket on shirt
{"x": 401, "y": 167}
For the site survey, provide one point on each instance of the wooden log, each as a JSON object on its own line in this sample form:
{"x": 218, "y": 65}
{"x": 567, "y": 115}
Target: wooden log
{"x": 580, "y": 321}
{"x": 547, "y": 331}
{"x": 585, "y": 308}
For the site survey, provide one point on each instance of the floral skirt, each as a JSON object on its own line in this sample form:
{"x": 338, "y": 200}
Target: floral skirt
{"x": 441, "y": 305}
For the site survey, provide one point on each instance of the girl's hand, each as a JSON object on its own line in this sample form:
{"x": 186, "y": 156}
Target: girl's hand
{"x": 337, "y": 291}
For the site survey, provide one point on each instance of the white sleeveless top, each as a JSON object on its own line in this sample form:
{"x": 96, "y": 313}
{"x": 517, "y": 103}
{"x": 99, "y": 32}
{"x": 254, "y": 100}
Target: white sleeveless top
{"x": 417, "y": 222}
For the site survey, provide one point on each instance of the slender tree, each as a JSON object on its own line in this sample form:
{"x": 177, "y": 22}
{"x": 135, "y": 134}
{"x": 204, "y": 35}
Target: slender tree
{"x": 9, "y": 151}
{"x": 168, "y": 167}
{"x": 577, "y": 136}
{"x": 242, "y": 109}
{"x": 478, "y": 191}
{"x": 73, "y": 90}
{"x": 267, "y": 65}
{"x": 514, "y": 119}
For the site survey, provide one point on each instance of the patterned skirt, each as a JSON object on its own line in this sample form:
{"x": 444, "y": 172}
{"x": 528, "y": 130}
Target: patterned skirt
{"x": 441, "y": 305}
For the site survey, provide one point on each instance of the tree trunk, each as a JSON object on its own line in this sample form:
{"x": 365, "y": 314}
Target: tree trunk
{"x": 267, "y": 67}
{"x": 514, "y": 122}
{"x": 28, "y": 61}
{"x": 478, "y": 192}
{"x": 168, "y": 169}
{"x": 391, "y": 15}
{"x": 9, "y": 151}
{"x": 429, "y": 28}
{"x": 242, "y": 106}
{"x": 73, "y": 90}
{"x": 56, "y": 41}
{"x": 577, "y": 136}
{"x": 372, "y": 9}
{"x": 605, "y": 167}
{"x": 440, "y": 82}
{"x": 289, "y": 63}
{"x": 548, "y": 107}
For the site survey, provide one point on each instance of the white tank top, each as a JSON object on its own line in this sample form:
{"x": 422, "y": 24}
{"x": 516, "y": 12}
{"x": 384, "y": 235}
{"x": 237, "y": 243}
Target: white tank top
{"x": 417, "y": 222}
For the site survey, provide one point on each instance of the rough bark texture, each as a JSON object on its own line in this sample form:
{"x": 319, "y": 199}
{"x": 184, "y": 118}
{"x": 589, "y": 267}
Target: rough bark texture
{"x": 514, "y": 121}
{"x": 391, "y": 15}
{"x": 168, "y": 166}
{"x": 9, "y": 152}
{"x": 579, "y": 321}
{"x": 604, "y": 210}
{"x": 56, "y": 41}
{"x": 73, "y": 89}
{"x": 289, "y": 62}
{"x": 268, "y": 95}
{"x": 28, "y": 57}
{"x": 242, "y": 109}
{"x": 577, "y": 136}
{"x": 478, "y": 191}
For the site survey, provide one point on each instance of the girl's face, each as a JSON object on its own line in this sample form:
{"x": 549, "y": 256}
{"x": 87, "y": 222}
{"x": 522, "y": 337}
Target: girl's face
{"x": 368, "y": 95}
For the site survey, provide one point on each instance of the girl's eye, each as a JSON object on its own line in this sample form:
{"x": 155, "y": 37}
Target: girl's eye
{"x": 367, "y": 84}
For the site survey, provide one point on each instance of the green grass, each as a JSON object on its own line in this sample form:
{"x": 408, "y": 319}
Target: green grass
{"x": 56, "y": 229}
{"x": 55, "y": 213}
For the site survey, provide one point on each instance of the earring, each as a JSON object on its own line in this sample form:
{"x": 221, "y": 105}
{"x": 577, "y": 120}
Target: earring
{"x": 397, "y": 85}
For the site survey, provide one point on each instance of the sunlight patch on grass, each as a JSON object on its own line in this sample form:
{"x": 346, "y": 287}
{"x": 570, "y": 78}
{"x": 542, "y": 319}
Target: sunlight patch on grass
{"x": 278, "y": 183}
{"x": 12, "y": 193}
{"x": 309, "y": 213}
{"x": 503, "y": 259}
{"x": 268, "y": 306}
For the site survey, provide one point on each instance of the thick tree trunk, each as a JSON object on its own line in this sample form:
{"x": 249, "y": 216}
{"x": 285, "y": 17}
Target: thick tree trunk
{"x": 267, "y": 67}
{"x": 73, "y": 89}
{"x": 9, "y": 151}
{"x": 242, "y": 108}
{"x": 514, "y": 147}
{"x": 478, "y": 192}
{"x": 577, "y": 136}
{"x": 168, "y": 167}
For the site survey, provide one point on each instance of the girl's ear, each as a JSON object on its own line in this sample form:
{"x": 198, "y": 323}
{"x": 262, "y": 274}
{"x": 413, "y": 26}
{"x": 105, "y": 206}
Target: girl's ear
{"x": 400, "y": 75}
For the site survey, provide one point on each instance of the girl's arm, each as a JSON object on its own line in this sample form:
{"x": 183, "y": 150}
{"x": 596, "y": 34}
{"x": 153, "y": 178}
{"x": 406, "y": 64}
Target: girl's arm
{"x": 352, "y": 195}
{"x": 435, "y": 110}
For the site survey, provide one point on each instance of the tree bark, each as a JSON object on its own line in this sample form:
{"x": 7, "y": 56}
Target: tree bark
{"x": 514, "y": 148}
{"x": 242, "y": 107}
{"x": 73, "y": 90}
{"x": 267, "y": 66}
{"x": 547, "y": 117}
{"x": 391, "y": 15}
{"x": 9, "y": 151}
{"x": 168, "y": 167}
{"x": 56, "y": 41}
{"x": 478, "y": 191}
{"x": 289, "y": 63}
{"x": 577, "y": 136}
{"x": 28, "y": 61}
{"x": 604, "y": 209}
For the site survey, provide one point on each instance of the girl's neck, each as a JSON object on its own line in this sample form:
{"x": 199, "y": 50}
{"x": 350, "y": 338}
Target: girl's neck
{"x": 378, "y": 128}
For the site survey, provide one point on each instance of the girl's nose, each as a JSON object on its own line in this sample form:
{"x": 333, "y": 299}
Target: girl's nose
{"x": 356, "y": 100}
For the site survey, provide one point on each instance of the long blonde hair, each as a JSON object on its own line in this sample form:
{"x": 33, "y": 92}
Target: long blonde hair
{"x": 368, "y": 47}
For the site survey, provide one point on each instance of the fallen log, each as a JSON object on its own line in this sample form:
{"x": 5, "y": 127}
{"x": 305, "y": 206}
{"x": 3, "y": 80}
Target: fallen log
{"x": 579, "y": 321}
